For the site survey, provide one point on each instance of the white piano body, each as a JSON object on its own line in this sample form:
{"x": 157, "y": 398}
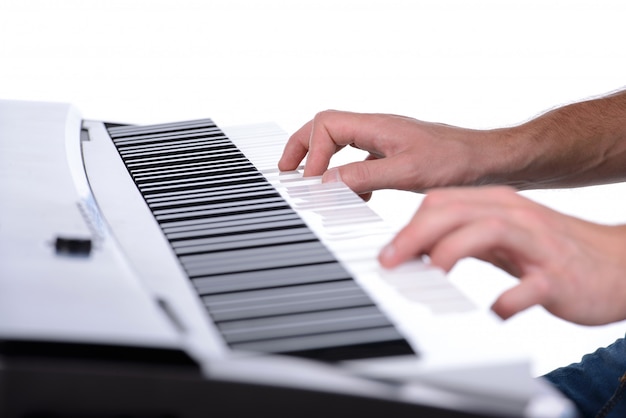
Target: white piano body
{"x": 89, "y": 276}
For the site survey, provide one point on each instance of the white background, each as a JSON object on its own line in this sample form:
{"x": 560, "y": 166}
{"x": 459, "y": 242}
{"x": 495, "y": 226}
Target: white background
{"x": 478, "y": 64}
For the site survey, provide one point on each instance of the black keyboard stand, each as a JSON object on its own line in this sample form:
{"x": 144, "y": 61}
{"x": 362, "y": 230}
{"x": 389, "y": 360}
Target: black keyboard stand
{"x": 59, "y": 380}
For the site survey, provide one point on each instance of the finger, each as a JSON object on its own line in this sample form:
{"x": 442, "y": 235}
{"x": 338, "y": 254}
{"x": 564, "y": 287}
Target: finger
{"x": 333, "y": 130}
{"x": 296, "y": 148}
{"x": 531, "y": 290}
{"x": 330, "y": 131}
{"x": 416, "y": 238}
{"x": 486, "y": 238}
{"x": 363, "y": 176}
{"x": 441, "y": 212}
{"x": 367, "y": 196}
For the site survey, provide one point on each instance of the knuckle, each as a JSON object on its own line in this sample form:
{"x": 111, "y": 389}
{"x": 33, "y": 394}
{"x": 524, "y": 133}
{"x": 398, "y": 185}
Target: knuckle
{"x": 497, "y": 226}
{"x": 434, "y": 198}
{"x": 528, "y": 217}
{"x": 324, "y": 114}
{"x": 543, "y": 289}
{"x": 357, "y": 176}
{"x": 361, "y": 173}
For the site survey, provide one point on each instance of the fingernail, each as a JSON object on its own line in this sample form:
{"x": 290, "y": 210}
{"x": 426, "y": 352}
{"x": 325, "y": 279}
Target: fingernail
{"x": 332, "y": 176}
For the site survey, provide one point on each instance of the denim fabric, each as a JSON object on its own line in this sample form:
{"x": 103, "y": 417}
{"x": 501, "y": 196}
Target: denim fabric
{"x": 597, "y": 385}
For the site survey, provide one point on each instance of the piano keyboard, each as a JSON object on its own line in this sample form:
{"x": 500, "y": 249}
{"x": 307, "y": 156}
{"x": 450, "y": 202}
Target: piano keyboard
{"x": 266, "y": 279}
{"x": 275, "y": 263}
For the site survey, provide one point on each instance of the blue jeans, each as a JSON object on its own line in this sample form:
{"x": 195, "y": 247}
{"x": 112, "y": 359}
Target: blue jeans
{"x": 597, "y": 385}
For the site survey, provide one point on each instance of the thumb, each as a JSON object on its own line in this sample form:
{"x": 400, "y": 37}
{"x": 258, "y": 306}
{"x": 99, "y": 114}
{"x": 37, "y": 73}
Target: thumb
{"x": 531, "y": 290}
{"x": 362, "y": 177}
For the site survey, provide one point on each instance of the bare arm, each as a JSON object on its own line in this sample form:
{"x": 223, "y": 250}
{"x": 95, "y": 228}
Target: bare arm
{"x": 575, "y": 145}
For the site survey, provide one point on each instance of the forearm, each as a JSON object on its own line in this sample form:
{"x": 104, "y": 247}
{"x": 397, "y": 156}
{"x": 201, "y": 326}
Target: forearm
{"x": 575, "y": 145}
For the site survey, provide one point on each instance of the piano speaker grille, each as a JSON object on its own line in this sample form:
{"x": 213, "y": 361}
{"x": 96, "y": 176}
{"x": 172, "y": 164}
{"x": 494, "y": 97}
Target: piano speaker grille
{"x": 268, "y": 283}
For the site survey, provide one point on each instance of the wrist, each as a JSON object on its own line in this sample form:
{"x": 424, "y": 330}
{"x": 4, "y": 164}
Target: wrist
{"x": 508, "y": 156}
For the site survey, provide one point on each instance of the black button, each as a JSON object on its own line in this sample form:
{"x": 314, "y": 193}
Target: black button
{"x": 73, "y": 246}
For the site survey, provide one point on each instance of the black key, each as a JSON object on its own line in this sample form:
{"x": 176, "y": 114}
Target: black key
{"x": 268, "y": 282}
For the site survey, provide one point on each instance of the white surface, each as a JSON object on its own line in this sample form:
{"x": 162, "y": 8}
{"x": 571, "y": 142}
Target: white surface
{"x": 473, "y": 63}
{"x": 44, "y": 292}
